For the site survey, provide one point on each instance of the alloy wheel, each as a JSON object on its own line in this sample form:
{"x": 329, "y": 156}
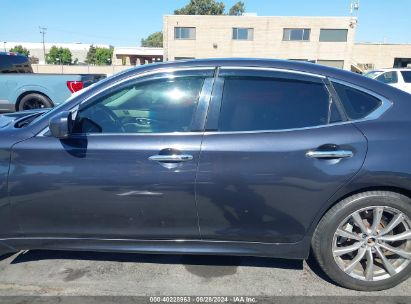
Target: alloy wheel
{"x": 33, "y": 103}
{"x": 373, "y": 243}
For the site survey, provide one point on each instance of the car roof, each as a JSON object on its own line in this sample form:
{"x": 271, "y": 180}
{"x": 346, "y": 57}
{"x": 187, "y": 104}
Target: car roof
{"x": 249, "y": 62}
{"x": 11, "y": 54}
{"x": 291, "y": 65}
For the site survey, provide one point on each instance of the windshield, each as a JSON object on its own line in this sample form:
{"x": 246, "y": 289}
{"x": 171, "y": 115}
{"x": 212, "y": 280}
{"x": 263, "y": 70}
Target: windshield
{"x": 373, "y": 74}
{"x": 5, "y": 120}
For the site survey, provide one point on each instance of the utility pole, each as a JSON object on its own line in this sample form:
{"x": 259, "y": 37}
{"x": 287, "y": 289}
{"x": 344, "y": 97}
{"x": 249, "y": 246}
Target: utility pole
{"x": 354, "y": 7}
{"x": 43, "y": 31}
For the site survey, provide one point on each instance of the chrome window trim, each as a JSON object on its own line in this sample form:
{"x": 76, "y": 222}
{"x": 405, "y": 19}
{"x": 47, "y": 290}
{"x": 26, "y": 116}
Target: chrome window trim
{"x": 272, "y": 70}
{"x": 278, "y": 131}
{"x": 42, "y": 134}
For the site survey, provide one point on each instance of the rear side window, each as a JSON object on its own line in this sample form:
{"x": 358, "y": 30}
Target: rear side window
{"x": 14, "y": 64}
{"x": 258, "y": 103}
{"x": 357, "y": 104}
{"x": 407, "y": 76}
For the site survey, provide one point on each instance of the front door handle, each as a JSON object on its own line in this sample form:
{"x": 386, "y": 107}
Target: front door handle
{"x": 172, "y": 158}
{"x": 331, "y": 154}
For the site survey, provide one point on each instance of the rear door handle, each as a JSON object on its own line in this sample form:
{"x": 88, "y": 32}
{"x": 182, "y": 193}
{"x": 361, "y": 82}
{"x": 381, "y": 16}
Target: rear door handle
{"x": 174, "y": 158}
{"x": 332, "y": 154}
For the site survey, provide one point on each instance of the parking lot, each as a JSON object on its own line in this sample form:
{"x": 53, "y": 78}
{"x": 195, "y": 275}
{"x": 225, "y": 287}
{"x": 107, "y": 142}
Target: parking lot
{"x": 62, "y": 273}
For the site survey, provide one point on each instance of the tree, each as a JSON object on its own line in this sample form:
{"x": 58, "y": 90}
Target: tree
{"x": 201, "y": 7}
{"x": 154, "y": 40}
{"x": 237, "y": 9}
{"x": 99, "y": 56}
{"x": 58, "y": 55}
{"x": 103, "y": 56}
{"x": 20, "y": 49}
{"x": 91, "y": 55}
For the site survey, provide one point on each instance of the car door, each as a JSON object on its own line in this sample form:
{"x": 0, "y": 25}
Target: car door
{"x": 4, "y": 92}
{"x": 406, "y": 81}
{"x": 128, "y": 169}
{"x": 275, "y": 150}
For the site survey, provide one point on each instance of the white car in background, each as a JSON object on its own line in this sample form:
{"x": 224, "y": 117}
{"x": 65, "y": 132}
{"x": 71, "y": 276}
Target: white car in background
{"x": 399, "y": 78}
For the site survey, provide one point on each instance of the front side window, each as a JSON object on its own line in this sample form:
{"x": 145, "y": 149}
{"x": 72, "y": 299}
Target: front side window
{"x": 243, "y": 33}
{"x": 388, "y": 77}
{"x": 263, "y": 103}
{"x": 357, "y": 104}
{"x": 156, "y": 106}
{"x": 407, "y": 76}
{"x": 296, "y": 34}
{"x": 185, "y": 33}
{"x": 333, "y": 35}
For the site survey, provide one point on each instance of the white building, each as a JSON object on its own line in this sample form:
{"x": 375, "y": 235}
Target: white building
{"x": 78, "y": 50}
{"x": 137, "y": 55}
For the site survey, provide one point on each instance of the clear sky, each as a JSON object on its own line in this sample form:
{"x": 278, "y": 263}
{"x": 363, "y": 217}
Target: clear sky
{"x": 125, "y": 22}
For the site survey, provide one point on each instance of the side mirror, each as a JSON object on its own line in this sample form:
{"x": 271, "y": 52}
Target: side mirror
{"x": 60, "y": 125}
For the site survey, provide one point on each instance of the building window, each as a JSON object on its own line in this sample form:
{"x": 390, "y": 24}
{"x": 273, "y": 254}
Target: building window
{"x": 296, "y": 34}
{"x": 185, "y": 33}
{"x": 243, "y": 33}
{"x": 183, "y": 58}
{"x": 329, "y": 35}
{"x": 332, "y": 63}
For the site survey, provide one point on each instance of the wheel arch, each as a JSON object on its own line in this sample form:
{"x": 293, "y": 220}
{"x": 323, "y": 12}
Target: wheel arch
{"x": 341, "y": 196}
{"x": 25, "y": 93}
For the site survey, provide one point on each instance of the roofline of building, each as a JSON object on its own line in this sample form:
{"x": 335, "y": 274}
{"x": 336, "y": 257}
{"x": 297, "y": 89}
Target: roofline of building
{"x": 261, "y": 16}
{"x": 48, "y": 44}
{"x": 382, "y": 43}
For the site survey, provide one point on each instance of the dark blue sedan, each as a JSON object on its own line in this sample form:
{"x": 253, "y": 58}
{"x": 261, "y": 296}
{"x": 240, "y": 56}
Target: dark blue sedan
{"x": 228, "y": 156}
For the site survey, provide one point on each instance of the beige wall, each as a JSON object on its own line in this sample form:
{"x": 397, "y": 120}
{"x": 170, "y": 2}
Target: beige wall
{"x": 78, "y": 69}
{"x": 380, "y": 55}
{"x": 267, "y": 42}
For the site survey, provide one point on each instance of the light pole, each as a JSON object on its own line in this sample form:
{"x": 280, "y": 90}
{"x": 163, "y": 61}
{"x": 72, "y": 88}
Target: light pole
{"x": 60, "y": 61}
{"x": 43, "y": 31}
{"x": 4, "y": 45}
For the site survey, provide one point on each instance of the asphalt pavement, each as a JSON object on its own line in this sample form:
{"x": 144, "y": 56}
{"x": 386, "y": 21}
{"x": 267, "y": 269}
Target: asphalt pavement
{"x": 60, "y": 273}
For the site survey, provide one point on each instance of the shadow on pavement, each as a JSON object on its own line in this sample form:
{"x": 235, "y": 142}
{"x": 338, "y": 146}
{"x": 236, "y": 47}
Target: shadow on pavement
{"x": 204, "y": 260}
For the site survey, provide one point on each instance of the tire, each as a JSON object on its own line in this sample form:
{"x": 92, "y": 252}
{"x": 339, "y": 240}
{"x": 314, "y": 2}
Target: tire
{"x": 370, "y": 272}
{"x": 34, "y": 101}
